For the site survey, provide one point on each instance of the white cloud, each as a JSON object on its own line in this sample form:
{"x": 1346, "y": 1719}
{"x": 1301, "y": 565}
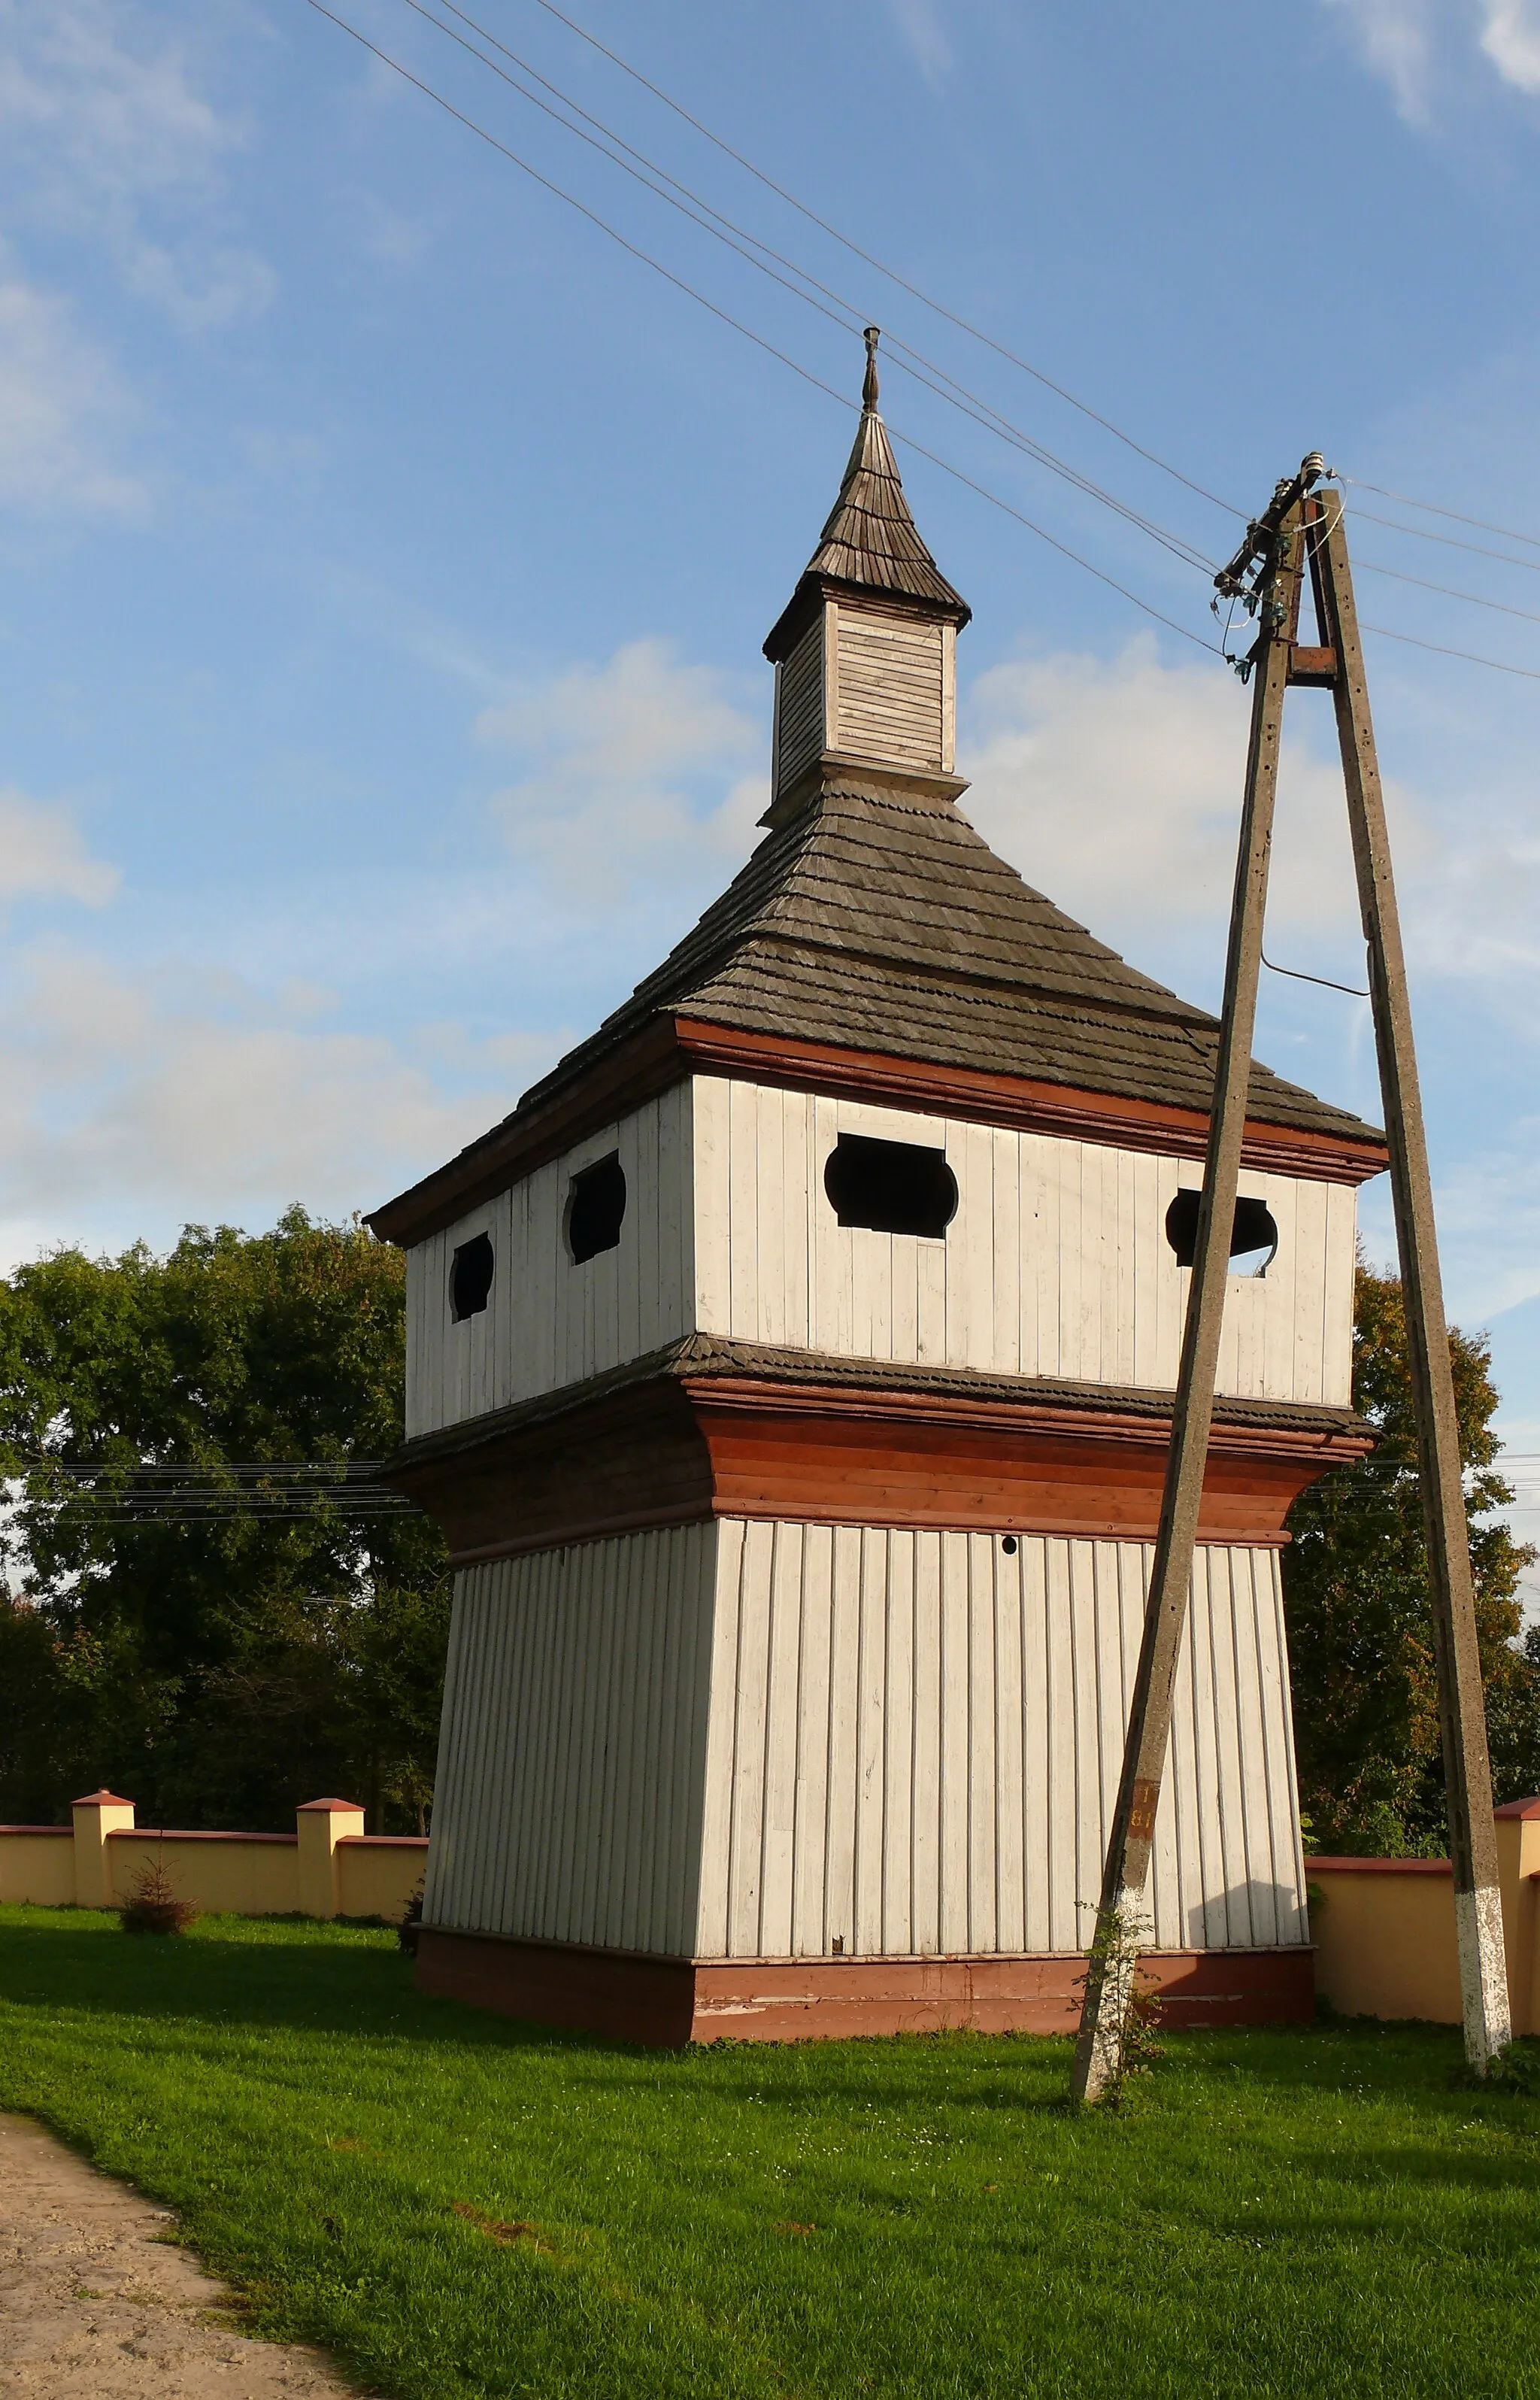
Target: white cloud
{"x": 622, "y": 766}
{"x": 1511, "y": 40}
{"x": 43, "y": 856}
{"x": 1395, "y": 40}
{"x": 1115, "y": 786}
{"x": 1422, "y": 47}
{"x": 61, "y": 405}
{"x": 137, "y": 1098}
{"x": 920, "y": 23}
{"x": 108, "y": 130}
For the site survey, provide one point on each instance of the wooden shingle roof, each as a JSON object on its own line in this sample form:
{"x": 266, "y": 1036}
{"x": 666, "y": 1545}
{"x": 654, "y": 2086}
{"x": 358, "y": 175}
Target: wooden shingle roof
{"x": 870, "y": 542}
{"x": 880, "y": 920}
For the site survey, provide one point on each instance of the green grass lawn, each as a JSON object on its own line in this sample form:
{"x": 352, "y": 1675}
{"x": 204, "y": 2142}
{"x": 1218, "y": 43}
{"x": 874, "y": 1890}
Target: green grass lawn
{"x": 462, "y": 2206}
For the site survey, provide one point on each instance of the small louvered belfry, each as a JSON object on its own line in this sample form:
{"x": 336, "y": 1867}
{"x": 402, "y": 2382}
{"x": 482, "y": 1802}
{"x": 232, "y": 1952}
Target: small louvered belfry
{"x": 864, "y": 651}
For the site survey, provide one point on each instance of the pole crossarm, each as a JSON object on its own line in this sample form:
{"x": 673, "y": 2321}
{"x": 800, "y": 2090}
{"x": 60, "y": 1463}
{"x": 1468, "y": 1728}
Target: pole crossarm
{"x": 1302, "y": 531}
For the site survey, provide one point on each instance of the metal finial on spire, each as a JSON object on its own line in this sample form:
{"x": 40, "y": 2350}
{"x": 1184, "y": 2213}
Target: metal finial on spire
{"x": 868, "y": 389}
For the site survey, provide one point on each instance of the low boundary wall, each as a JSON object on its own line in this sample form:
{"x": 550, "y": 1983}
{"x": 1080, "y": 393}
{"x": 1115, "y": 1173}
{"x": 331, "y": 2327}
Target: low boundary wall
{"x": 328, "y": 1867}
{"x": 1384, "y": 1929}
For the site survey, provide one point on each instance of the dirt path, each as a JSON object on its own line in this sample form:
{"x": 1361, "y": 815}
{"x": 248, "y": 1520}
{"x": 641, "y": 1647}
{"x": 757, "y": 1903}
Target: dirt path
{"x": 95, "y": 2305}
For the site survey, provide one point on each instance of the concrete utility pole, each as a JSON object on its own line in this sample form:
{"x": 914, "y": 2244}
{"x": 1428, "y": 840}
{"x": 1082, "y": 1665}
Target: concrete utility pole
{"x": 1110, "y": 1974}
{"x": 1298, "y": 526}
{"x": 1462, "y": 1709}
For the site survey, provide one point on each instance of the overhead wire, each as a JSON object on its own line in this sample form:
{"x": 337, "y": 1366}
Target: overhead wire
{"x": 909, "y": 360}
{"x": 1476, "y": 600}
{"x": 868, "y": 258}
{"x": 710, "y": 220}
{"x": 1472, "y": 658}
{"x": 1446, "y": 540}
{"x": 727, "y": 318}
{"x": 1434, "y": 508}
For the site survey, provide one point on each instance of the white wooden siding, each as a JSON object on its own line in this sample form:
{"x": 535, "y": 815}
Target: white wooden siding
{"x": 891, "y": 688}
{"x": 571, "y": 1763}
{"x": 916, "y": 1739}
{"x": 548, "y": 1322}
{"x": 800, "y": 705}
{"x": 1055, "y": 1263}
{"x": 746, "y": 1740}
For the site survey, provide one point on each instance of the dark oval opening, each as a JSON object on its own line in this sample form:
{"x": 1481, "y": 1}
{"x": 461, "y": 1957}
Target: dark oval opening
{"x": 1253, "y": 1233}
{"x": 595, "y": 1207}
{"x": 891, "y": 1187}
{"x": 471, "y": 1277}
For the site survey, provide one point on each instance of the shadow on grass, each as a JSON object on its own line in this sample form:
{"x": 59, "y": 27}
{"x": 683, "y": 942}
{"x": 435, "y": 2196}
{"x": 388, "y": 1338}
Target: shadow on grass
{"x": 314, "y": 1979}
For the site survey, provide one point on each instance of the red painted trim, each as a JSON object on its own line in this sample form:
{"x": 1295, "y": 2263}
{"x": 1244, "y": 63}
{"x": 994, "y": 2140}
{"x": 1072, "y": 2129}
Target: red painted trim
{"x": 1023, "y": 1101}
{"x": 1527, "y": 1810}
{"x": 663, "y": 2003}
{"x": 380, "y": 1842}
{"x": 854, "y": 1454}
{"x": 665, "y": 1049}
{"x": 66, "y": 1833}
{"x": 628, "y": 1996}
{"x": 586, "y": 1528}
{"x": 1378, "y": 1866}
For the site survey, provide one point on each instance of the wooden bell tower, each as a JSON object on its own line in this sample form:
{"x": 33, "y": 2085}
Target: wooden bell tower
{"x": 793, "y": 1372}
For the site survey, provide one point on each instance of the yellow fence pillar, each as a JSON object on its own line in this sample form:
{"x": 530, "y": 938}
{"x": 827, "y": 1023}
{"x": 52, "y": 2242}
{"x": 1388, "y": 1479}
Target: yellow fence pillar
{"x": 321, "y": 1825}
{"x": 94, "y": 1817}
{"x": 1519, "y": 1868}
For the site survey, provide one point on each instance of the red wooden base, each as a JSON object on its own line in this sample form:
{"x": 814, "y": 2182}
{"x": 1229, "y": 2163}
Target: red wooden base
{"x": 663, "y": 2003}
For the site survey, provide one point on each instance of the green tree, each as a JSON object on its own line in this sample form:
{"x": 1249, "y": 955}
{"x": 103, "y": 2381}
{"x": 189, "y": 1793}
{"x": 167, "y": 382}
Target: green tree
{"x": 217, "y": 1669}
{"x": 1356, "y": 1591}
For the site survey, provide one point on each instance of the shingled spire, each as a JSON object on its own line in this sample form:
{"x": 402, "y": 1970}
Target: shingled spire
{"x": 864, "y": 653}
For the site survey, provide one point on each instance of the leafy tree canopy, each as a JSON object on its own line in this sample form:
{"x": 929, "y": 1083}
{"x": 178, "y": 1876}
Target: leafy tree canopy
{"x": 220, "y": 1670}
{"x": 1359, "y": 1610}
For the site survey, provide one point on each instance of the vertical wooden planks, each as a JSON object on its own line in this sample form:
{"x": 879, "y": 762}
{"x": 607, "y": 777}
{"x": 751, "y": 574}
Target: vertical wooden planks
{"x": 751, "y": 1700}
{"x": 982, "y": 1783}
{"x": 896, "y": 1926}
{"x": 925, "y": 1744}
{"x": 562, "y": 1814}
{"x": 843, "y": 1735}
{"x": 811, "y": 1831}
{"x": 712, "y": 1930}
{"x": 711, "y": 1209}
{"x": 743, "y": 1740}
{"x": 782, "y": 1695}
{"x": 1055, "y": 1263}
{"x": 954, "y": 1741}
{"x": 771, "y": 1322}
{"x": 743, "y": 1211}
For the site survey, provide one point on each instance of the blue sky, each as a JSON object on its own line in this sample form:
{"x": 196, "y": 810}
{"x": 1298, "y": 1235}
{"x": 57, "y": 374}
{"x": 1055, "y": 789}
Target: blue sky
{"x": 385, "y": 553}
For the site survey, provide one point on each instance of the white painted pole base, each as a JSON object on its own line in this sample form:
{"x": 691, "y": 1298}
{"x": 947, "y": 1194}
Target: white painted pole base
{"x": 1483, "y": 1975}
{"x": 1099, "y": 2058}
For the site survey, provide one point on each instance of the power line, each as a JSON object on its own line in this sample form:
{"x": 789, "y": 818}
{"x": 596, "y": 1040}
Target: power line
{"x": 868, "y": 257}
{"x": 736, "y": 238}
{"x": 808, "y": 375}
{"x": 1432, "y": 507}
{"x": 1504, "y": 607}
{"x": 1472, "y": 658}
{"x": 759, "y": 341}
{"x": 1446, "y": 540}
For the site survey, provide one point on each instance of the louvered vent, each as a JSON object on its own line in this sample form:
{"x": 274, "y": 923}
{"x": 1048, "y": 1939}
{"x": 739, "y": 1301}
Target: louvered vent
{"x": 799, "y": 700}
{"x": 891, "y": 685}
